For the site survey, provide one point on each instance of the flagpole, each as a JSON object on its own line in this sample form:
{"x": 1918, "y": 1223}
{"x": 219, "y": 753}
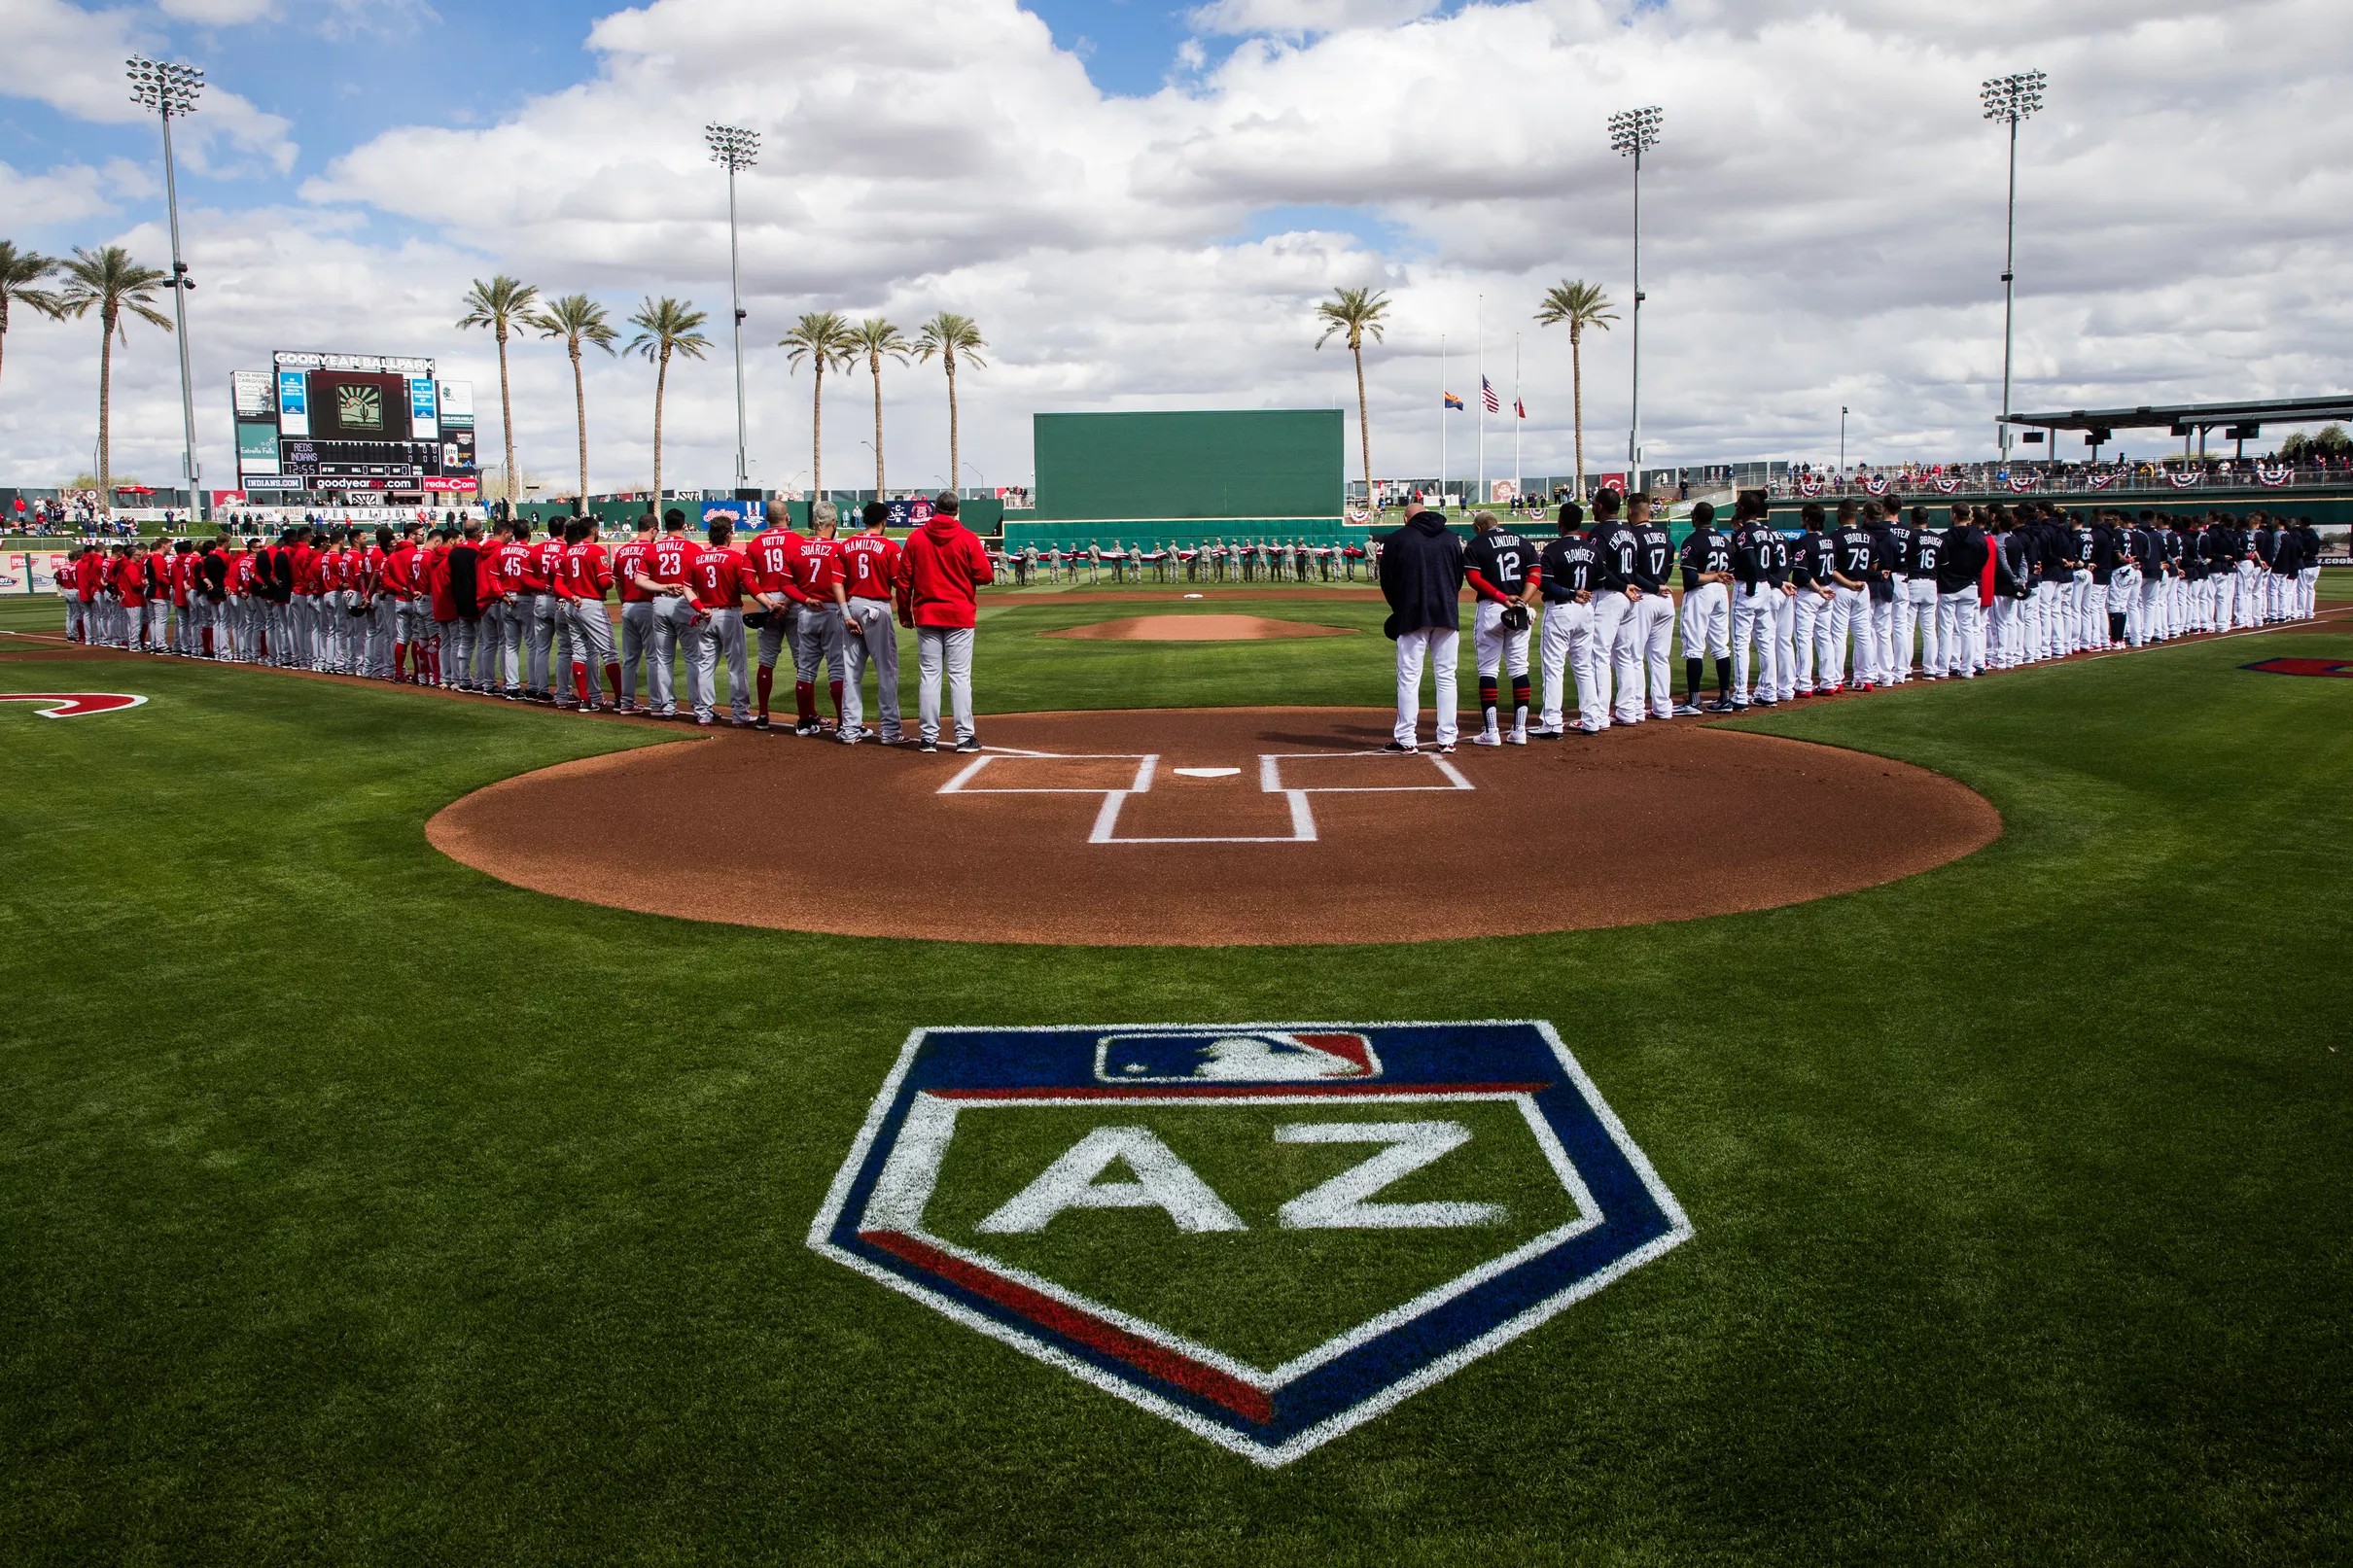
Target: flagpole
{"x": 1519, "y": 415}
{"x": 1441, "y": 421}
{"x": 1478, "y": 330}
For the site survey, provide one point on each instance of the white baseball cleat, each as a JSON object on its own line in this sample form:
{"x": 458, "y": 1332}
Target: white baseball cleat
{"x": 1486, "y": 738}
{"x": 1518, "y": 737}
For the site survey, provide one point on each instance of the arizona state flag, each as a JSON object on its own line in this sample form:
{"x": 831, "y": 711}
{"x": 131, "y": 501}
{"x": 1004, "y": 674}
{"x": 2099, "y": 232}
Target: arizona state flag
{"x": 1452, "y": 401}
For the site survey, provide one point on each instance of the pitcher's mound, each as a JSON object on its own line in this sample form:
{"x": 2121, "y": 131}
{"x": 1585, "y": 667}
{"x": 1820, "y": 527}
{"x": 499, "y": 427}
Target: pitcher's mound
{"x": 1215, "y": 826}
{"x": 1194, "y": 628}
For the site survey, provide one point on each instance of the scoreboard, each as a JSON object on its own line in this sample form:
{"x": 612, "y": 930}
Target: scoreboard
{"x": 352, "y": 426}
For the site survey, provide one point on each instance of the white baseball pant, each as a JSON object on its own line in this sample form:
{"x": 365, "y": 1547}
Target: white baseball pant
{"x": 1438, "y": 647}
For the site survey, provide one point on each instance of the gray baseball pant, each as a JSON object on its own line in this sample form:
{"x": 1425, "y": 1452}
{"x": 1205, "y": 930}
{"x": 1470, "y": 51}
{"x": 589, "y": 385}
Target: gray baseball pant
{"x": 717, "y": 632}
{"x": 871, "y": 639}
{"x": 948, "y": 648}
{"x": 637, "y": 634}
{"x": 592, "y": 636}
{"x": 671, "y": 616}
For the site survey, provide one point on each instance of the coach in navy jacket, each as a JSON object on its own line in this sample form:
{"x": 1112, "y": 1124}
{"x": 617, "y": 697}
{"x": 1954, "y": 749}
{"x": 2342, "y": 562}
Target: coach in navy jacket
{"x": 1422, "y": 578}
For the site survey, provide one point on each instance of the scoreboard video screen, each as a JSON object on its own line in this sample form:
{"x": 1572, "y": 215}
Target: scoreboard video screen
{"x": 353, "y": 426}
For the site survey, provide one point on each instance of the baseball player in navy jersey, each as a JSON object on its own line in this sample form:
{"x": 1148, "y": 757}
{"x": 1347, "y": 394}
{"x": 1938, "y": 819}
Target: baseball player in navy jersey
{"x": 1811, "y": 661}
{"x": 2307, "y": 575}
{"x": 869, "y": 630}
{"x": 1916, "y": 597}
{"x": 1759, "y": 589}
{"x": 1618, "y": 668}
{"x": 1960, "y": 569}
{"x": 1854, "y": 554}
{"x": 1655, "y": 614}
{"x": 1707, "y": 579}
{"x": 1889, "y": 549}
{"x": 1501, "y": 570}
{"x": 2156, "y": 581}
{"x": 2083, "y": 607}
{"x": 1569, "y": 573}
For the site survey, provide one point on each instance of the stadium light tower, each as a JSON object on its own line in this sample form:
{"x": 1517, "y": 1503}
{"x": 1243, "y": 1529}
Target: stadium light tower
{"x": 737, "y": 149}
{"x": 2011, "y": 98}
{"x": 171, "y": 91}
{"x": 1631, "y": 133}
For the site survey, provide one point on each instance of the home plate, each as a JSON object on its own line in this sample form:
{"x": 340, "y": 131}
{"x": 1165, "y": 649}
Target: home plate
{"x": 1205, "y": 773}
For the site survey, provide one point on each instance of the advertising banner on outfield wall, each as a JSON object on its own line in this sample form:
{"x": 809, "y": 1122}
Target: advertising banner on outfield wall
{"x": 33, "y": 571}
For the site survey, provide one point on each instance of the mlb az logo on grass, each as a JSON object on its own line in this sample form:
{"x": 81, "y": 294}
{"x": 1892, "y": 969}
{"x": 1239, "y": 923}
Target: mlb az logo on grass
{"x": 1268, "y": 1234}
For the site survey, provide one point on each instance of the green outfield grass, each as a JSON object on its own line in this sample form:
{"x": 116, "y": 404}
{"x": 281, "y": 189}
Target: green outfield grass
{"x": 358, "y": 1207}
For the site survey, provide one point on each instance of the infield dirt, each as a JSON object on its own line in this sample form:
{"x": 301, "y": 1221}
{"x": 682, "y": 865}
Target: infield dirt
{"x": 1047, "y": 838}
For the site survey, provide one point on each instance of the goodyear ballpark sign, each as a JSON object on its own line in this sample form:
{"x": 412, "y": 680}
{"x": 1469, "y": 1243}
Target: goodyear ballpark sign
{"x": 1267, "y": 1234}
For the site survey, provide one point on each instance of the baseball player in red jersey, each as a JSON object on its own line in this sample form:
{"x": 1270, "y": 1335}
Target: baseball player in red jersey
{"x": 672, "y": 556}
{"x": 244, "y": 606}
{"x": 551, "y": 630}
{"x": 440, "y": 604}
{"x": 773, "y": 554}
{"x": 719, "y": 577}
{"x": 513, "y": 565}
{"x": 940, "y": 573}
{"x": 587, "y": 578}
{"x": 156, "y": 566}
{"x": 130, "y": 578}
{"x": 180, "y": 564}
{"x": 869, "y": 562}
{"x": 817, "y": 636}
{"x": 401, "y": 587}
{"x": 632, "y": 561}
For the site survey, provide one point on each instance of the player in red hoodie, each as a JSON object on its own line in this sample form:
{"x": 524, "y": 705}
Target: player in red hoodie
{"x": 940, "y": 570}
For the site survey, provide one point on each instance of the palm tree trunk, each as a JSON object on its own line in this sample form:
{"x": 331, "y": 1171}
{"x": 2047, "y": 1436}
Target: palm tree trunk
{"x": 579, "y": 408}
{"x": 954, "y": 476}
{"x": 1364, "y": 433}
{"x": 1576, "y": 398}
{"x": 816, "y": 438}
{"x": 3, "y": 326}
{"x": 514, "y": 481}
{"x": 106, "y": 372}
{"x": 661, "y": 379}
{"x": 878, "y": 462}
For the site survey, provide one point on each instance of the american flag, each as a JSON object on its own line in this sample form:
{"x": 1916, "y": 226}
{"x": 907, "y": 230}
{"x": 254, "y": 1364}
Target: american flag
{"x": 1520, "y": 408}
{"x": 1487, "y": 395}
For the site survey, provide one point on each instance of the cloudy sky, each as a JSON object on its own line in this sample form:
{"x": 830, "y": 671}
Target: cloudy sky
{"x": 1140, "y": 203}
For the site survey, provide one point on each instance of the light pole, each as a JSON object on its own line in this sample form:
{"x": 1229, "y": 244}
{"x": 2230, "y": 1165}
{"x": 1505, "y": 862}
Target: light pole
{"x": 2010, "y": 98}
{"x": 1631, "y": 133}
{"x": 1841, "y": 438}
{"x": 737, "y": 149}
{"x": 171, "y": 91}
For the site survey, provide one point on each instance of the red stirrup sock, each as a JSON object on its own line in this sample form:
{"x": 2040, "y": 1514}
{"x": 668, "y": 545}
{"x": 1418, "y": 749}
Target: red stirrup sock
{"x": 767, "y": 684}
{"x": 612, "y": 679}
{"x": 400, "y": 661}
{"x": 805, "y": 701}
{"x": 579, "y": 684}
{"x": 837, "y": 691}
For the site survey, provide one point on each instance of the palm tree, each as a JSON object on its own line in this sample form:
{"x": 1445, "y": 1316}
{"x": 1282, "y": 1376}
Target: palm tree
{"x": 1352, "y": 313}
{"x": 21, "y": 271}
{"x": 117, "y": 284}
{"x": 877, "y": 337}
{"x": 665, "y": 328}
{"x": 502, "y": 305}
{"x": 577, "y": 320}
{"x": 948, "y": 335}
{"x": 1577, "y": 305}
{"x": 822, "y": 338}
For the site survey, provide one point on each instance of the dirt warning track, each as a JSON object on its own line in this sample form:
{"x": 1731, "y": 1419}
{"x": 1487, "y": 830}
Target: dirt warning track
{"x": 1215, "y": 827}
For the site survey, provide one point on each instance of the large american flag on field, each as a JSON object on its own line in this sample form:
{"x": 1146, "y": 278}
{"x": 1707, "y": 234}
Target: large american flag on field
{"x": 1487, "y": 395}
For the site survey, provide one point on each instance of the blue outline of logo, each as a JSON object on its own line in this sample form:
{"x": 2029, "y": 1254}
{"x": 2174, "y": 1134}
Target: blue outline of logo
{"x": 872, "y": 1217}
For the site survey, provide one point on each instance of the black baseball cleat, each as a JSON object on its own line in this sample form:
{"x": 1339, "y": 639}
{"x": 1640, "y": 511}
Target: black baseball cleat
{"x": 760, "y": 723}
{"x": 1401, "y": 747}
{"x": 927, "y": 746}
{"x": 970, "y": 744}
{"x": 1724, "y": 705}
{"x": 1765, "y": 702}
{"x": 808, "y": 728}
{"x": 1684, "y": 710}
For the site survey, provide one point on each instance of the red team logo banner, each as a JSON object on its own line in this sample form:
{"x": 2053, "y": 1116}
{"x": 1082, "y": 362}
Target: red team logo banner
{"x": 1116, "y": 1201}
{"x": 74, "y": 703}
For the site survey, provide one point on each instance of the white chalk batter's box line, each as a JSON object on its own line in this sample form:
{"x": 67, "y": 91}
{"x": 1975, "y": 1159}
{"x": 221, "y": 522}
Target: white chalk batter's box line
{"x": 1148, "y": 768}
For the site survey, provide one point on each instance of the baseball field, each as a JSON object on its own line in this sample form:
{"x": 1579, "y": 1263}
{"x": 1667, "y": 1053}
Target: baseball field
{"x": 362, "y": 1206}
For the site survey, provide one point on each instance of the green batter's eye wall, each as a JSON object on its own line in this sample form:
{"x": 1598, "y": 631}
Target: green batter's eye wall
{"x": 1278, "y": 463}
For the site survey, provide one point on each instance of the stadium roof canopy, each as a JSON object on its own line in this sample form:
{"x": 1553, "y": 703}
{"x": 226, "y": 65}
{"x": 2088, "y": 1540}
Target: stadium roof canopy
{"x": 2180, "y": 419}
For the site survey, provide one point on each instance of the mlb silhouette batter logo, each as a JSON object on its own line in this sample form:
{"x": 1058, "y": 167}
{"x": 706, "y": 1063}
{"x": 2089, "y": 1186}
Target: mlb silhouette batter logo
{"x": 1268, "y": 1234}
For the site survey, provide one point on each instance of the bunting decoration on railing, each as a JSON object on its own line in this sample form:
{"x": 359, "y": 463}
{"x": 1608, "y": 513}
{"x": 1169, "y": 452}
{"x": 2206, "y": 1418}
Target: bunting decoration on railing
{"x": 2183, "y": 478}
{"x": 2100, "y": 481}
{"x": 1946, "y": 487}
{"x": 1873, "y": 484}
{"x": 2021, "y": 484}
{"x": 2273, "y": 477}
{"x": 1809, "y": 484}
